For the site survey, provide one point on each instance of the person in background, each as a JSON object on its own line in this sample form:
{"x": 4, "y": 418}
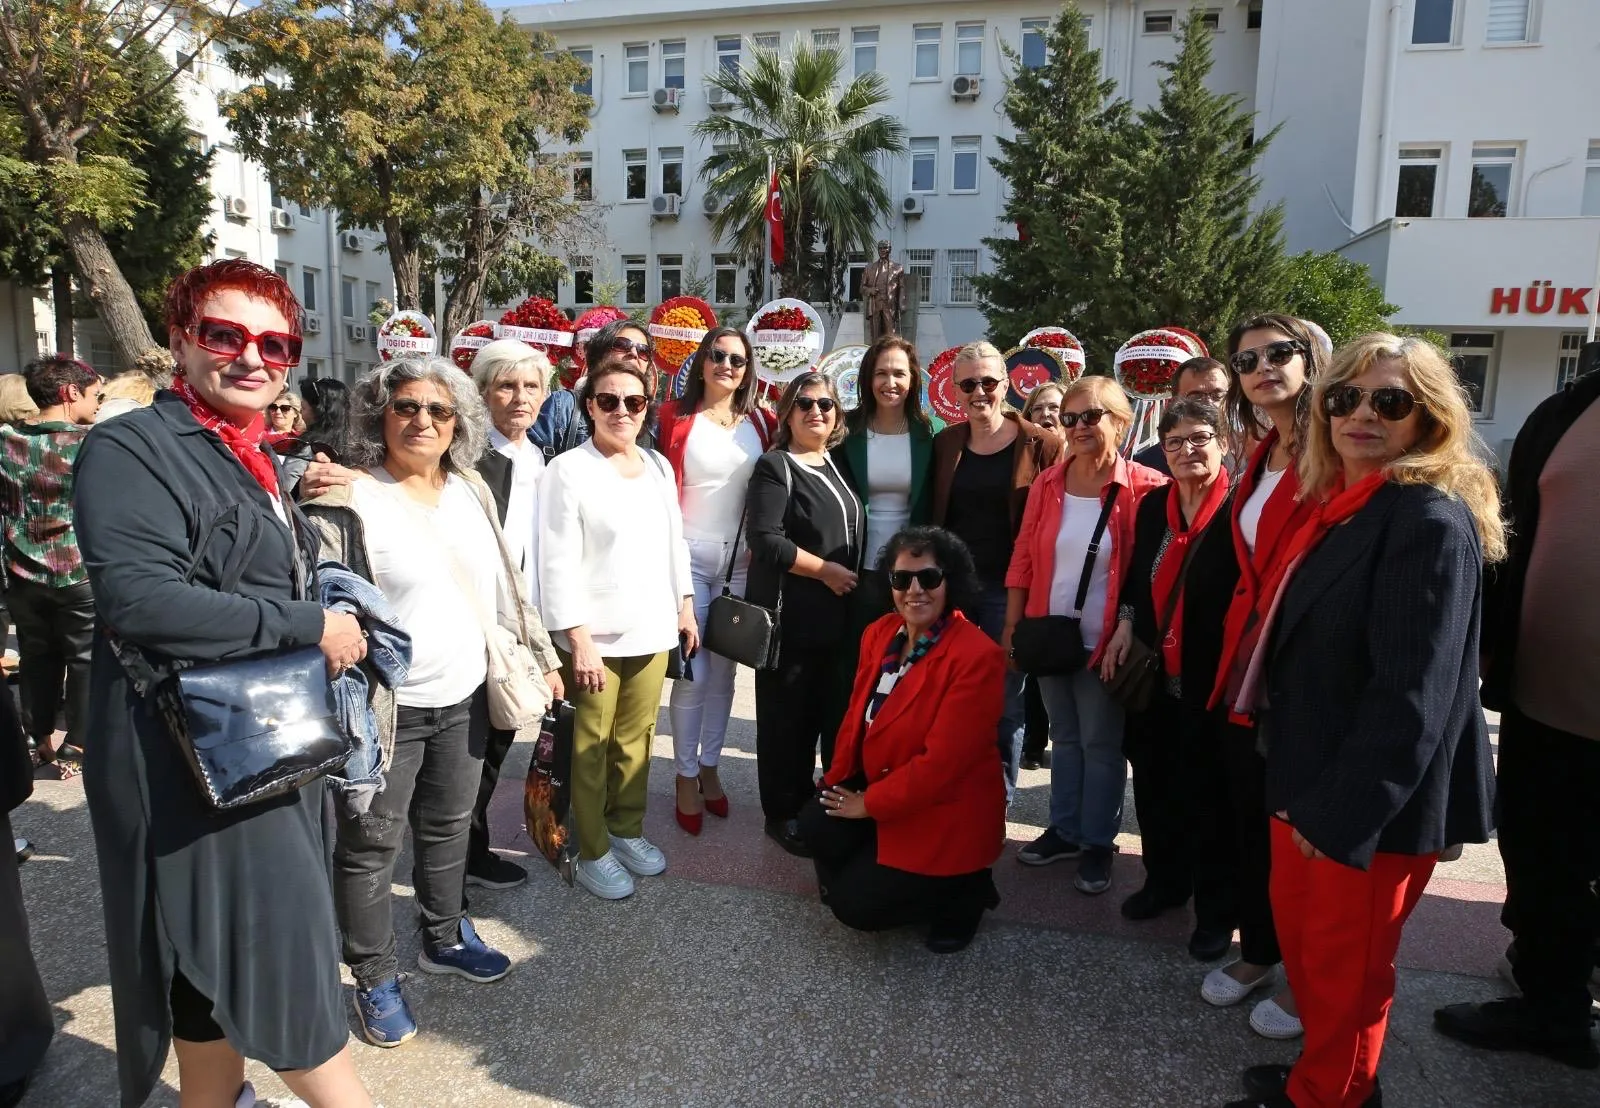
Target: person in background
{"x": 1043, "y": 410}
{"x": 124, "y": 393}
{"x": 982, "y": 471}
{"x": 48, "y": 592}
{"x": 617, "y": 592}
{"x": 1202, "y": 379}
{"x": 1366, "y": 677}
{"x": 1179, "y": 583}
{"x": 512, "y": 378}
{"x": 712, "y": 437}
{"x": 1088, "y": 774}
{"x": 15, "y": 404}
{"x": 314, "y": 463}
{"x": 561, "y": 425}
{"x": 27, "y": 1023}
{"x": 911, "y": 815}
{"x": 283, "y": 415}
{"x": 807, "y": 529}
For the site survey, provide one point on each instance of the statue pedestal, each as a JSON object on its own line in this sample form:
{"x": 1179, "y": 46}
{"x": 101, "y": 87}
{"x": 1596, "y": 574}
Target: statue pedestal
{"x": 928, "y": 334}
{"x": 852, "y": 330}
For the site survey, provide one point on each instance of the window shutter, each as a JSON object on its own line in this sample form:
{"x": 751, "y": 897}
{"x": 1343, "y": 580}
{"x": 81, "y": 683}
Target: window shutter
{"x": 1508, "y": 21}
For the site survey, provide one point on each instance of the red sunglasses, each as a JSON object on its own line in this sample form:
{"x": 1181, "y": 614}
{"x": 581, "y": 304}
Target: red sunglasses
{"x": 227, "y": 338}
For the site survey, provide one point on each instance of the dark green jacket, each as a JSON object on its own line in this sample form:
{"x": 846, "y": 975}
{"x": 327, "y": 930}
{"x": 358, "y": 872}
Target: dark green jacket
{"x": 853, "y": 454}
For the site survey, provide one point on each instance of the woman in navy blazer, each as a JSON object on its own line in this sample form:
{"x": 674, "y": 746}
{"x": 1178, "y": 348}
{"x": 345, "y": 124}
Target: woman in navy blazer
{"x": 1366, "y": 685}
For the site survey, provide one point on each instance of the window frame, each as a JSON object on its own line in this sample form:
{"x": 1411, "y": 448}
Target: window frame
{"x": 929, "y": 147}
{"x": 1439, "y": 162}
{"x": 767, "y": 40}
{"x": 819, "y": 35}
{"x": 308, "y": 288}
{"x": 1454, "y": 41}
{"x": 982, "y": 29}
{"x": 724, "y": 265}
{"x": 1170, "y": 15}
{"x": 962, "y": 145}
{"x": 349, "y": 289}
{"x": 584, "y": 54}
{"x": 922, "y": 47}
{"x": 632, "y": 64}
{"x": 664, "y": 159}
{"x": 1591, "y": 176}
{"x": 1530, "y": 28}
{"x": 631, "y": 264}
{"x": 720, "y": 43}
{"x": 954, "y": 273}
{"x": 1569, "y": 353}
{"x": 1253, "y": 15}
{"x": 582, "y": 267}
{"x": 1211, "y": 20}
{"x": 681, "y": 57}
{"x": 664, "y": 265}
{"x": 1491, "y": 371}
{"x": 857, "y": 45}
{"x": 917, "y": 257}
{"x": 642, "y": 161}
{"x": 1492, "y": 154}
{"x": 1040, "y": 28}
{"x": 582, "y": 164}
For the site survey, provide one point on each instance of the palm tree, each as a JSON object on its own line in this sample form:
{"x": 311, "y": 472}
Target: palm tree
{"x": 827, "y": 148}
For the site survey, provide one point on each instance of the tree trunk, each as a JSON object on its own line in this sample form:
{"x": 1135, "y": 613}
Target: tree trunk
{"x": 405, "y": 261}
{"x": 466, "y": 294}
{"x": 61, "y": 298}
{"x": 108, "y": 291}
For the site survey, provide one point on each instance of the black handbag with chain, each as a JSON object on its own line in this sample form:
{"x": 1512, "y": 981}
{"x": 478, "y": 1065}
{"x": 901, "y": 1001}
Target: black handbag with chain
{"x": 1049, "y": 646}
{"x": 738, "y": 629}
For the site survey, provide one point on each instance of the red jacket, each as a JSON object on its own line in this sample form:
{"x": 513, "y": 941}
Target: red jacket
{"x": 1033, "y": 559}
{"x": 672, "y": 434}
{"x": 934, "y": 781}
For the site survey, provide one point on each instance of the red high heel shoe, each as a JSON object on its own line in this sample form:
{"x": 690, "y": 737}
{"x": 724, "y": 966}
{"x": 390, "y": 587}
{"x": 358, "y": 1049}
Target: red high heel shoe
{"x": 690, "y": 821}
{"x": 717, "y": 807}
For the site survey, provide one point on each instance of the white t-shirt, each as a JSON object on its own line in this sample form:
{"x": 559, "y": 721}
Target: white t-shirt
{"x": 410, "y": 547}
{"x": 888, "y": 489}
{"x": 1250, "y": 514}
{"x": 1079, "y": 514}
{"x": 717, "y": 463}
{"x": 521, "y": 527}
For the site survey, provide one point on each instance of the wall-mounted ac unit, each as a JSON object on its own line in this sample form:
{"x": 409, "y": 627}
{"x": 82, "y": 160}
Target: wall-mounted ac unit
{"x": 711, "y": 204}
{"x": 666, "y": 99}
{"x": 313, "y": 324}
{"x": 718, "y": 99}
{"x": 965, "y": 87}
{"x": 351, "y": 241}
{"x": 282, "y": 220}
{"x": 236, "y": 207}
{"x": 911, "y": 206}
{"x": 665, "y": 205}
{"x": 357, "y": 332}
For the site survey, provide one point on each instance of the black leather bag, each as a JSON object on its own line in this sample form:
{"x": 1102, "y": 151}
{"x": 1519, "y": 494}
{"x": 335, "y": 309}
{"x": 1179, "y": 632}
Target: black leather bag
{"x": 1135, "y": 683}
{"x": 1052, "y": 646}
{"x": 739, "y": 630}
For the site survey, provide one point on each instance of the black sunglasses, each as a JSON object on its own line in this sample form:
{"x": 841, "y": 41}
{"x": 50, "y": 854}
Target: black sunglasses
{"x": 608, "y": 401}
{"x": 987, "y": 384}
{"x": 1389, "y": 403}
{"x": 929, "y": 577}
{"x": 627, "y": 347}
{"x": 1197, "y": 439}
{"x": 728, "y": 357}
{"x": 408, "y": 409}
{"x": 1277, "y": 354}
{"x": 280, "y": 407}
{"x": 823, "y": 404}
{"x": 1089, "y": 417}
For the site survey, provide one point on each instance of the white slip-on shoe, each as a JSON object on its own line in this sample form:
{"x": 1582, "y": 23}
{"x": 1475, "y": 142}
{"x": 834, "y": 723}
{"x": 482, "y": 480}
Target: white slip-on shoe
{"x": 604, "y": 877}
{"x": 1270, "y": 1021}
{"x": 1221, "y": 990}
{"x": 640, "y": 855}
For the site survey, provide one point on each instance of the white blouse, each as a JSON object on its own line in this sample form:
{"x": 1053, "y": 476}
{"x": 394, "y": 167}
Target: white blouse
{"x": 717, "y": 463}
{"x": 1250, "y": 514}
{"x": 888, "y": 490}
{"x": 1079, "y": 514}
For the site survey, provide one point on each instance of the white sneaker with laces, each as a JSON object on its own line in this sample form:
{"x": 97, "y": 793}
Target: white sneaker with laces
{"x": 604, "y": 877}
{"x": 1222, "y": 990}
{"x": 639, "y": 855}
{"x": 1270, "y": 1021}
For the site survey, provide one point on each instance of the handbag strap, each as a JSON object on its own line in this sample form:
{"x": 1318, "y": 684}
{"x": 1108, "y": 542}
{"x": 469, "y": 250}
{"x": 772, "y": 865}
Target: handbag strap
{"x": 1094, "y": 548}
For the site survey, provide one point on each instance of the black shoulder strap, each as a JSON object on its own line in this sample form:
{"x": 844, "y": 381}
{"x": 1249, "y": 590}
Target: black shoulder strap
{"x": 1094, "y": 547}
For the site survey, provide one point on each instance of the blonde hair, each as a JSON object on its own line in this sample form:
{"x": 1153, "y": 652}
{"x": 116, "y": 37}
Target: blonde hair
{"x": 1036, "y": 394}
{"x": 978, "y": 351}
{"x": 1447, "y": 456}
{"x": 15, "y": 403}
{"x": 1107, "y": 394}
{"x": 134, "y": 385}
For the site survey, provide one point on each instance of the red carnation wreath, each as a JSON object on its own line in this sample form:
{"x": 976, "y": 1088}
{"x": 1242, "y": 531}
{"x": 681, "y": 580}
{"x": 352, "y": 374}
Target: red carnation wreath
{"x": 543, "y": 326}
{"x": 1147, "y": 363}
{"x": 471, "y": 339}
{"x": 943, "y": 396}
{"x": 405, "y": 334}
{"x": 676, "y": 328}
{"x": 1063, "y": 344}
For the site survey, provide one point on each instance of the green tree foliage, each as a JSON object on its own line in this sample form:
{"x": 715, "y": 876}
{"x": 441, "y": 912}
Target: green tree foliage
{"x": 1338, "y": 293}
{"x": 829, "y": 148}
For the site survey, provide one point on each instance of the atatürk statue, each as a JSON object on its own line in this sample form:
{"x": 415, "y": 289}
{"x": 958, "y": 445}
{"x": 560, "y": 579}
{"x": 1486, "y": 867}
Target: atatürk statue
{"x": 883, "y": 295}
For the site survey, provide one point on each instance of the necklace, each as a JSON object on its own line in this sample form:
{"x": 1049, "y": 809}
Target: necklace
{"x": 721, "y": 419}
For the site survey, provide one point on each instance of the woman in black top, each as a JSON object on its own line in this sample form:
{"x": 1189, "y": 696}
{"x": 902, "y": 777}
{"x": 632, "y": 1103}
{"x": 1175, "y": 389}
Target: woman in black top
{"x": 1179, "y": 584}
{"x": 804, "y": 525}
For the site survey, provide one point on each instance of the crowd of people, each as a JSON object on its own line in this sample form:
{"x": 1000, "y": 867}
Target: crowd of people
{"x": 1275, "y": 614}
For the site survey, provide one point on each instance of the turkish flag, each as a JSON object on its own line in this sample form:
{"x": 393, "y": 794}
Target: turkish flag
{"x": 775, "y": 219}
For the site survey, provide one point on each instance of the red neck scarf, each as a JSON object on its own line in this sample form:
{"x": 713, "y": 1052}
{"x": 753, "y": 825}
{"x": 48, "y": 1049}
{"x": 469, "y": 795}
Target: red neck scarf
{"x": 1179, "y": 539}
{"x": 245, "y": 443}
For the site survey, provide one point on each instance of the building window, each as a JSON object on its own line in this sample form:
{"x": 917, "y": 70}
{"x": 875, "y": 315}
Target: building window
{"x": 1417, "y": 195}
{"x": 672, "y": 64}
{"x": 583, "y": 177}
{"x": 927, "y": 38}
{"x": 969, "y": 49}
{"x": 1509, "y": 21}
{"x": 1160, "y": 23}
{"x": 634, "y": 166}
{"x": 865, "y": 42}
{"x": 633, "y": 276}
{"x": 1472, "y": 354}
{"x": 1591, "y": 181}
{"x": 919, "y": 268}
{"x": 308, "y": 289}
{"x": 1567, "y": 360}
{"x": 1433, "y": 23}
{"x": 638, "y": 61}
{"x": 103, "y": 357}
{"x": 1492, "y": 171}
{"x": 313, "y": 368}
{"x": 585, "y": 55}
{"x": 855, "y": 272}
{"x": 1252, "y": 16}
{"x": 964, "y": 164}
{"x": 963, "y": 264}
{"x": 583, "y": 280}
{"x": 766, "y": 40}
{"x": 825, "y": 40}
{"x": 672, "y": 169}
{"x": 1035, "y": 47}
{"x": 1211, "y": 19}
{"x": 669, "y": 275}
{"x": 924, "y": 164}
{"x": 725, "y": 288}
{"x": 286, "y": 271}
{"x": 347, "y": 297}
{"x": 728, "y": 55}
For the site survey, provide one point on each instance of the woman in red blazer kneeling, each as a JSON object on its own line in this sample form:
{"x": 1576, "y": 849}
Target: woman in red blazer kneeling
{"x": 912, "y": 812}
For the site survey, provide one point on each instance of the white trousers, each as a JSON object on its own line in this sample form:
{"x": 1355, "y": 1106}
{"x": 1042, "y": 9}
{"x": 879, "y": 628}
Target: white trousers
{"x": 700, "y": 708}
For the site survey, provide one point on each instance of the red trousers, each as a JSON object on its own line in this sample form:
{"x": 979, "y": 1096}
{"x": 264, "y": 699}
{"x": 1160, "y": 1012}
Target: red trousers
{"x": 1339, "y": 928}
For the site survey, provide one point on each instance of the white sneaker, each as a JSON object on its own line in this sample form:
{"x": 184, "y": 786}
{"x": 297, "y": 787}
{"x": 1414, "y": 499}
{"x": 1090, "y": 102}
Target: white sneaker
{"x": 639, "y": 855}
{"x": 247, "y": 1097}
{"x": 1270, "y": 1021}
{"x": 604, "y": 877}
{"x": 1221, "y": 990}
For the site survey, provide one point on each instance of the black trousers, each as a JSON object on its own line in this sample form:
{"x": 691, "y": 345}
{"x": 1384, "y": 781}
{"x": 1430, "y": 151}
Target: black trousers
{"x": 26, "y": 1022}
{"x": 55, "y": 635}
{"x": 1245, "y": 773}
{"x": 1035, "y": 723}
{"x": 1549, "y": 801}
{"x": 1180, "y": 796}
{"x": 494, "y": 756}
{"x": 798, "y": 708}
{"x": 867, "y": 896}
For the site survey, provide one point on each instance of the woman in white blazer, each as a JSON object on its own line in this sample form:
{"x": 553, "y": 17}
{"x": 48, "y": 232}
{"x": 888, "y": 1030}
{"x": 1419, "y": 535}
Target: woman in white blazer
{"x": 617, "y": 596}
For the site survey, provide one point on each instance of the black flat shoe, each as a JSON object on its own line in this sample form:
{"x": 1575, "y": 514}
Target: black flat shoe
{"x": 786, "y": 833}
{"x": 1264, "y": 1083}
{"x": 947, "y": 936}
{"x": 1031, "y": 761}
{"x": 1207, "y": 944}
{"x": 1512, "y": 1024}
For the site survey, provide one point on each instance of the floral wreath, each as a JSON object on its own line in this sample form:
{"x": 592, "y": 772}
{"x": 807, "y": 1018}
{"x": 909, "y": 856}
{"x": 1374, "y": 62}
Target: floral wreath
{"x": 787, "y": 337}
{"x": 469, "y": 340}
{"x": 1063, "y": 344}
{"x": 1147, "y": 363}
{"x": 406, "y": 334}
{"x": 676, "y": 329}
{"x": 539, "y": 323}
{"x": 943, "y": 397}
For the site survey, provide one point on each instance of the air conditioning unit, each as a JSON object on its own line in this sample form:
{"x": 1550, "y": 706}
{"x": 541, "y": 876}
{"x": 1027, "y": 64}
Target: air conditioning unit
{"x": 357, "y": 332}
{"x": 719, "y": 99}
{"x": 313, "y": 324}
{"x": 667, "y": 99}
{"x": 351, "y": 241}
{"x": 911, "y": 206}
{"x": 965, "y": 87}
{"x": 236, "y": 207}
{"x": 712, "y": 205}
{"x": 282, "y": 220}
{"x": 665, "y": 205}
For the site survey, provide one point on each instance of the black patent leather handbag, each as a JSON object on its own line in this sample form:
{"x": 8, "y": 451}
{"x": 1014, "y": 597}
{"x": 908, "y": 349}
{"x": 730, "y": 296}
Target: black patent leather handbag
{"x": 738, "y": 629}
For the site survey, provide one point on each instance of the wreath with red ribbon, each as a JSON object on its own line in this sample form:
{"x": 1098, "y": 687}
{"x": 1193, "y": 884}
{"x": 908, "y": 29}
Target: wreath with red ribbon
{"x": 591, "y": 320}
{"x": 538, "y": 312}
{"x": 687, "y": 312}
{"x": 1150, "y": 378}
{"x": 463, "y": 355}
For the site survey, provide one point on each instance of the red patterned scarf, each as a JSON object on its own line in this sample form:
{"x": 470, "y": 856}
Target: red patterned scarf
{"x": 246, "y": 443}
{"x": 1180, "y": 538}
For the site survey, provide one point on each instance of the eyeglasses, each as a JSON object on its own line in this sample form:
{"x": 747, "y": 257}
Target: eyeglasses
{"x": 1388, "y": 403}
{"x": 823, "y": 404}
{"x": 728, "y": 357}
{"x": 1197, "y": 439}
{"x": 1214, "y": 397}
{"x": 987, "y": 384}
{"x": 608, "y": 401}
{"x": 630, "y": 349}
{"x": 223, "y": 336}
{"x": 1277, "y": 354}
{"x": 408, "y": 409}
{"x": 1089, "y": 417}
{"x": 280, "y": 407}
{"x": 929, "y": 577}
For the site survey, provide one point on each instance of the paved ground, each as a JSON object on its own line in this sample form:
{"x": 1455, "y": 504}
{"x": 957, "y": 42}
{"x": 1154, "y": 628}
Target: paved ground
{"x": 724, "y": 982}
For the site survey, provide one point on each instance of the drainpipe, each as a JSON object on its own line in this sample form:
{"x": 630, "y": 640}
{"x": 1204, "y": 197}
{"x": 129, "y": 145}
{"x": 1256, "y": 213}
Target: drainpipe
{"x": 1386, "y": 151}
{"x": 336, "y": 335}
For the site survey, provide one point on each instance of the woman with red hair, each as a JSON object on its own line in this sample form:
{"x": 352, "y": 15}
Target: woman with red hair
{"x": 219, "y": 925}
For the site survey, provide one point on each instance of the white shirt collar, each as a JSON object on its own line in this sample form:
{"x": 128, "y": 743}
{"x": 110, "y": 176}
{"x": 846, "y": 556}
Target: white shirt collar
{"x": 509, "y": 448}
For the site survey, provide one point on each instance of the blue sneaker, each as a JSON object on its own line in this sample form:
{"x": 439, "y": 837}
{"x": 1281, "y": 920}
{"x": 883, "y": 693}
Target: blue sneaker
{"x": 383, "y": 1014}
{"x": 471, "y": 958}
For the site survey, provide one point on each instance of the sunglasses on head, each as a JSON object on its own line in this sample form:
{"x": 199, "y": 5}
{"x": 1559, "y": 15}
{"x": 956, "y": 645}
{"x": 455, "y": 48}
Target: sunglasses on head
{"x": 1089, "y": 417}
{"x": 728, "y": 357}
{"x": 929, "y": 577}
{"x": 225, "y": 337}
{"x": 1277, "y": 355}
{"x": 629, "y": 348}
{"x": 1389, "y": 403}
{"x": 408, "y": 409}
{"x": 1197, "y": 439}
{"x": 987, "y": 384}
{"x": 608, "y": 401}
{"x": 823, "y": 404}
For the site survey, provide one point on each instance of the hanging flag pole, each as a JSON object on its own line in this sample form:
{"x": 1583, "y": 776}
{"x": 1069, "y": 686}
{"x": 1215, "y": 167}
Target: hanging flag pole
{"x": 774, "y": 229}
{"x": 766, "y": 219}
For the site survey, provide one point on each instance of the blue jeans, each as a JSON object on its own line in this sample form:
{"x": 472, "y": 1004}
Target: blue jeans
{"x": 1088, "y": 774}
{"x": 990, "y": 614}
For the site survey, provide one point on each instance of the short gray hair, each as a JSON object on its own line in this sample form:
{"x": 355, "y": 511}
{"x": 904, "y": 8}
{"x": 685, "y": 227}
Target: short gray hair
{"x": 501, "y": 357}
{"x": 371, "y": 396}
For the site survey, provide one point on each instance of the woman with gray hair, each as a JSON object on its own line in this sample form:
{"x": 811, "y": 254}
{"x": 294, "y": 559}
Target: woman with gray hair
{"x": 422, "y": 528}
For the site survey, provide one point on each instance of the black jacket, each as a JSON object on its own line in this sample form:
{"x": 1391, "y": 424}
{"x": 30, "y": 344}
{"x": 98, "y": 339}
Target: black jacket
{"x": 1502, "y": 604}
{"x": 496, "y": 470}
{"x": 1374, "y": 735}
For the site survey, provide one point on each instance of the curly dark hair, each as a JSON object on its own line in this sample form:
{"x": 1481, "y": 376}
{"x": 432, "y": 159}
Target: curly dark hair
{"x": 949, "y": 553}
{"x": 329, "y": 429}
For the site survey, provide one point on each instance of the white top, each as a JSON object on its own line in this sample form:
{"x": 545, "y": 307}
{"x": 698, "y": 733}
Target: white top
{"x": 888, "y": 489}
{"x": 1250, "y": 514}
{"x": 612, "y": 557}
{"x": 521, "y": 526}
{"x": 1079, "y": 514}
{"x": 414, "y": 551}
{"x": 717, "y": 463}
